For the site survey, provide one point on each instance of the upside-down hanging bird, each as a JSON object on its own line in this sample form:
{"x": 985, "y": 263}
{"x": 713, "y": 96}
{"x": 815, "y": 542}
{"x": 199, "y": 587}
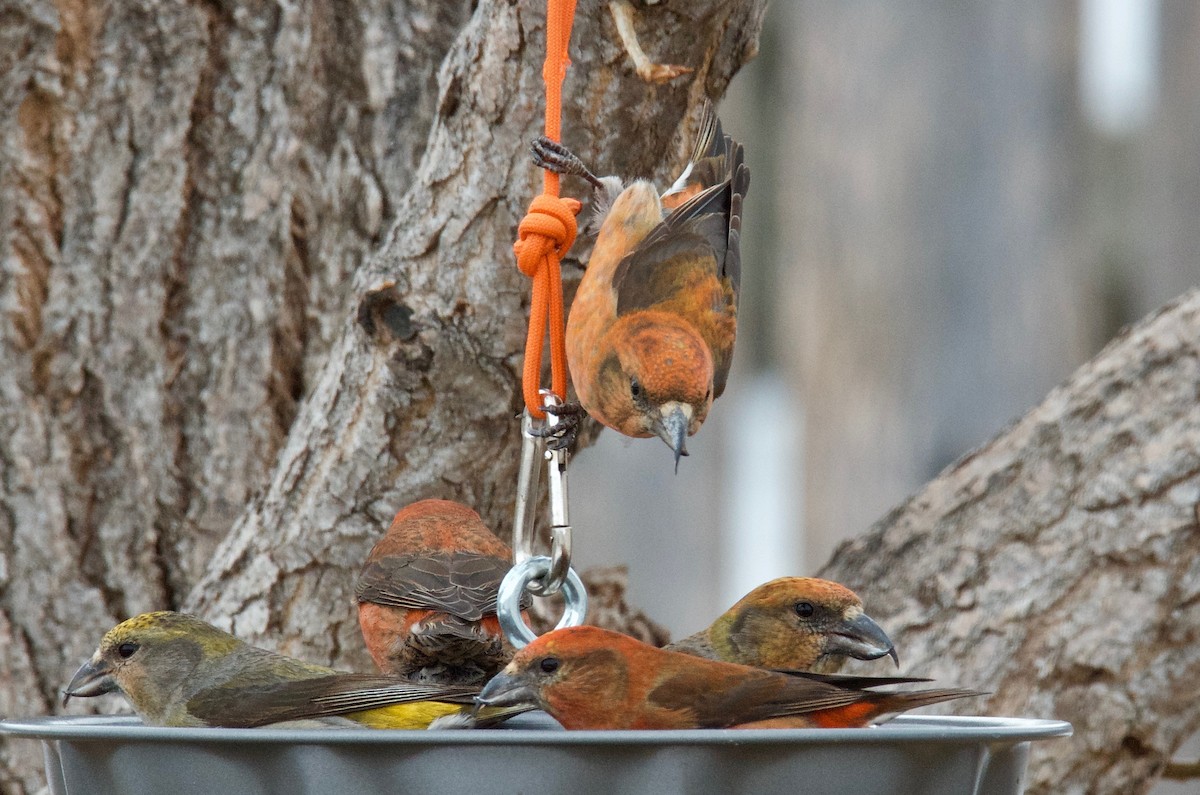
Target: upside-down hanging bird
{"x": 792, "y": 623}
{"x": 427, "y": 596}
{"x": 591, "y": 678}
{"x": 176, "y": 670}
{"x": 651, "y": 329}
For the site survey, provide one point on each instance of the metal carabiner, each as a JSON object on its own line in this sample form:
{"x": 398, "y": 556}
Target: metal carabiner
{"x": 540, "y": 575}
{"x": 533, "y": 453}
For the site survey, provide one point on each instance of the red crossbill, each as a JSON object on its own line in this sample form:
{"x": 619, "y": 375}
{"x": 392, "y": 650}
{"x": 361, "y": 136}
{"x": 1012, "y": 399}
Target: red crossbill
{"x": 591, "y": 678}
{"x": 176, "y": 670}
{"x": 792, "y": 623}
{"x": 651, "y": 330}
{"x": 427, "y": 596}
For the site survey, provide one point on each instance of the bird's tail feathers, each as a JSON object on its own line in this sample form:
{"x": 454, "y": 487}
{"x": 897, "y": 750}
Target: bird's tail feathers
{"x": 892, "y": 704}
{"x": 851, "y": 680}
{"x": 485, "y": 718}
{"x": 707, "y": 165}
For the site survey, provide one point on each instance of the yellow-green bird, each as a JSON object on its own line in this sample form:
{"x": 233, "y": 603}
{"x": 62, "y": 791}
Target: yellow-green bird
{"x": 792, "y": 624}
{"x": 177, "y": 670}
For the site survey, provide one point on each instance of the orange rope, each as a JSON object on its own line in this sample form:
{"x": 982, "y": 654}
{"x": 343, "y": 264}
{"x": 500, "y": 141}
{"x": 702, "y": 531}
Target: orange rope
{"x": 547, "y": 231}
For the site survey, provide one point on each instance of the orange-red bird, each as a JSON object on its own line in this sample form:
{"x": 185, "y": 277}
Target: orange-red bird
{"x": 591, "y": 678}
{"x": 427, "y": 596}
{"x": 651, "y": 330}
{"x": 793, "y": 624}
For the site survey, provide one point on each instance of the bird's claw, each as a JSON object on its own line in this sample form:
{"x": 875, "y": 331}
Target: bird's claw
{"x": 553, "y": 156}
{"x": 562, "y": 434}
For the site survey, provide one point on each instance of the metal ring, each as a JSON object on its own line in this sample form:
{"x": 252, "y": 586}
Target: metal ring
{"x": 513, "y": 587}
{"x": 560, "y": 564}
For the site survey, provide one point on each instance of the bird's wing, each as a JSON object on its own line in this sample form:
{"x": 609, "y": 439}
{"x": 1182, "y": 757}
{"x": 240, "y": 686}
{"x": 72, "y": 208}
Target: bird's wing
{"x": 656, "y": 273}
{"x": 746, "y": 697}
{"x": 713, "y": 213}
{"x": 258, "y": 704}
{"x": 463, "y": 584}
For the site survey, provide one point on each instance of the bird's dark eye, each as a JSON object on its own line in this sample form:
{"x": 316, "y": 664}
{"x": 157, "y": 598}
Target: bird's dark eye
{"x": 549, "y": 665}
{"x": 126, "y": 650}
{"x": 635, "y": 388}
{"x": 804, "y": 609}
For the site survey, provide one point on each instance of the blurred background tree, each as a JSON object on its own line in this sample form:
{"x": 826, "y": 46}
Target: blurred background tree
{"x": 953, "y": 206}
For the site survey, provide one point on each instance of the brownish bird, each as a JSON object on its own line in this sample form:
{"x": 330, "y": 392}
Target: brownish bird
{"x": 427, "y": 596}
{"x": 176, "y": 670}
{"x": 795, "y": 624}
{"x": 651, "y": 330}
{"x": 591, "y": 678}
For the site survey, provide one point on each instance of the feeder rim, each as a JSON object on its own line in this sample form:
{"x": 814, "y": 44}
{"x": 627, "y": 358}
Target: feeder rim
{"x": 905, "y": 729}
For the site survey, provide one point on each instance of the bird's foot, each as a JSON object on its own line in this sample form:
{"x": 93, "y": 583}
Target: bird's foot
{"x": 562, "y": 434}
{"x": 555, "y": 157}
{"x": 649, "y": 71}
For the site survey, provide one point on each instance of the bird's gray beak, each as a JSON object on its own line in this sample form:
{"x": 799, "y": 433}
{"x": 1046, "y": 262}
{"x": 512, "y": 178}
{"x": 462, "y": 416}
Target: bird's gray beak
{"x": 94, "y": 678}
{"x": 507, "y": 690}
{"x": 862, "y": 639}
{"x": 672, "y": 428}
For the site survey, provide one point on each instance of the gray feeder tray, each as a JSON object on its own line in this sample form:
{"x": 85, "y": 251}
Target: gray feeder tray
{"x": 907, "y": 756}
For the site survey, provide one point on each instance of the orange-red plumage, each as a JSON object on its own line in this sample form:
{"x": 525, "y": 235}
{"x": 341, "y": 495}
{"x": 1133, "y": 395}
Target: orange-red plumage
{"x": 427, "y": 596}
{"x": 590, "y": 678}
{"x": 651, "y": 329}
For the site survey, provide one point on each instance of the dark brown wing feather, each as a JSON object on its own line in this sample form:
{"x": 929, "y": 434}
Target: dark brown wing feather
{"x": 654, "y": 274}
{"x": 745, "y": 698}
{"x": 764, "y": 695}
{"x": 463, "y": 584}
{"x": 714, "y": 215}
{"x": 852, "y": 681}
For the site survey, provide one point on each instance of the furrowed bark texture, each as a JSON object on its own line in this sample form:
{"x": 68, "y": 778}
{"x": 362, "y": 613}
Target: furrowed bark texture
{"x": 1058, "y": 566}
{"x": 185, "y": 189}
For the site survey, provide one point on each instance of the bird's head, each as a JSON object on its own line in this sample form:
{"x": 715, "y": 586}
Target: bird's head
{"x": 659, "y": 381}
{"x": 797, "y": 622}
{"x": 568, "y": 672}
{"x": 148, "y": 658}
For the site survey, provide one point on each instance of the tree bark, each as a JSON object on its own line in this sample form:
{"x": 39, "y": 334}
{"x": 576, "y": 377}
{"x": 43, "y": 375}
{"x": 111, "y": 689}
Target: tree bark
{"x": 1058, "y": 566}
{"x": 199, "y": 346}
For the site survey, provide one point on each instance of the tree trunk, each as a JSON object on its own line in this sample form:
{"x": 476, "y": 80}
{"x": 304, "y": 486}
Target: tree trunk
{"x": 242, "y": 325}
{"x": 1058, "y": 566}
